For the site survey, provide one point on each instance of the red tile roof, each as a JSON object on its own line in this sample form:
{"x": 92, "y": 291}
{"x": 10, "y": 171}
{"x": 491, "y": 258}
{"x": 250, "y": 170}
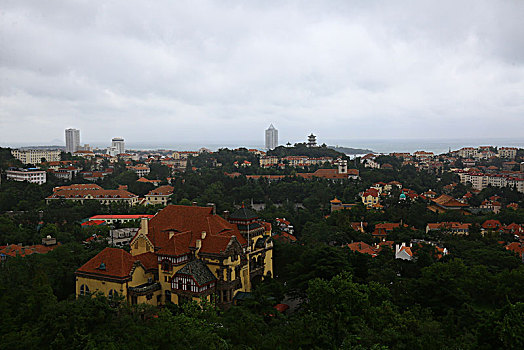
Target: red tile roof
{"x": 149, "y": 260}
{"x": 195, "y": 220}
{"x": 13, "y": 250}
{"x": 448, "y": 201}
{"x": 491, "y": 224}
{"x": 162, "y": 191}
{"x": 96, "y": 193}
{"x": 371, "y": 192}
{"x": 516, "y": 247}
{"x": 124, "y": 216}
{"x": 110, "y": 262}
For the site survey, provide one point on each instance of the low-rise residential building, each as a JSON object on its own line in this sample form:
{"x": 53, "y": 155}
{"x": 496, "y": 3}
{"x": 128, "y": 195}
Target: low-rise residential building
{"x": 84, "y": 154}
{"x": 32, "y": 175}
{"x": 452, "y": 227}
{"x": 467, "y": 152}
{"x": 121, "y": 237}
{"x": 507, "y": 152}
{"x": 382, "y": 230}
{"x": 444, "y": 203}
{"x": 122, "y": 219}
{"x": 160, "y": 195}
{"x": 67, "y": 173}
{"x": 491, "y": 225}
{"x": 13, "y": 250}
{"x": 423, "y": 155}
{"x": 406, "y": 252}
{"x": 82, "y": 193}
{"x": 480, "y": 181}
{"x": 36, "y": 156}
{"x": 141, "y": 170}
{"x": 371, "y": 197}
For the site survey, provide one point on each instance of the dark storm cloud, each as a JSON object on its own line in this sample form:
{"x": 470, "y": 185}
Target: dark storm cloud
{"x": 220, "y": 70}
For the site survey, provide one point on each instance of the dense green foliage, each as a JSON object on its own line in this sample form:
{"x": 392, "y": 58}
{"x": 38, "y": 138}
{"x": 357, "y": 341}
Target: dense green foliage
{"x": 301, "y": 149}
{"x": 469, "y": 299}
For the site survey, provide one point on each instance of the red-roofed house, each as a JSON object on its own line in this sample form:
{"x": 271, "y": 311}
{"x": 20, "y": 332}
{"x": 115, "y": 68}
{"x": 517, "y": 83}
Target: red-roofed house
{"x": 517, "y": 248}
{"x": 197, "y": 254}
{"x": 81, "y": 193}
{"x": 160, "y": 195}
{"x": 491, "y": 225}
{"x": 14, "y": 250}
{"x": 111, "y": 219}
{"x": 371, "y": 197}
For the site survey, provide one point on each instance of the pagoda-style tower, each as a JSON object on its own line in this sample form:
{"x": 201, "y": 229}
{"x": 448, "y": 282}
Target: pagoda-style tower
{"x": 312, "y": 140}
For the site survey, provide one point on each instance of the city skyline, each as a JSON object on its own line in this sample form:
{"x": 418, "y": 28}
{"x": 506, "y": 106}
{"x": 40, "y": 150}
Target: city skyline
{"x": 218, "y": 72}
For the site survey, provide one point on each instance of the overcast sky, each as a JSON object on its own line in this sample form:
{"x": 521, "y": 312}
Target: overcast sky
{"x": 219, "y": 71}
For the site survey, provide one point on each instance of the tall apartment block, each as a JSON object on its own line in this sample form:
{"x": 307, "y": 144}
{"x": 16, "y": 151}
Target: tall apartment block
{"x": 72, "y": 137}
{"x": 118, "y": 144}
{"x": 271, "y": 137}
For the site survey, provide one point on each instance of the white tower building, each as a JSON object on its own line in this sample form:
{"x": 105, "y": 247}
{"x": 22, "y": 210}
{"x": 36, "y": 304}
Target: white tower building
{"x": 72, "y": 137}
{"x": 118, "y": 144}
{"x": 271, "y": 137}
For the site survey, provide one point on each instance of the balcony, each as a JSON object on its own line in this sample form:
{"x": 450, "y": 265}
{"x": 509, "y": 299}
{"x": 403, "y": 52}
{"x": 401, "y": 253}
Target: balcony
{"x": 144, "y": 288}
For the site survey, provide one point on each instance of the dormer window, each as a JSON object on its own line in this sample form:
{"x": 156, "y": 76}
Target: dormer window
{"x": 102, "y": 266}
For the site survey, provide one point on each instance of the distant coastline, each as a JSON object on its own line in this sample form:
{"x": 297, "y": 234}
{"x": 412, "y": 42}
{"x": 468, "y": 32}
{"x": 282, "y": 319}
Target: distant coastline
{"x": 351, "y": 151}
{"x": 436, "y": 146}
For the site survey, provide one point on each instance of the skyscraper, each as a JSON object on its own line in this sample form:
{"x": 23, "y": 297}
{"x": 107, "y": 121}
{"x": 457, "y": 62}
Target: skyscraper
{"x": 72, "y": 137}
{"x": 119, "y": 145}
{"x": 271, "y": 137}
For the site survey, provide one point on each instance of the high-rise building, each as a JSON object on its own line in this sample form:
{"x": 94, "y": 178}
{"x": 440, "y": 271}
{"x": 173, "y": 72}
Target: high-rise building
{"x": 119, "y": 144}
{"x": 72, "y": 137}
{"x": 271, "y": 137}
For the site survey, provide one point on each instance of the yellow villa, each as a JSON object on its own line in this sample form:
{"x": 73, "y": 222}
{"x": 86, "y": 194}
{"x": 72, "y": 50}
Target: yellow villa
{"x": 184, "y": 253}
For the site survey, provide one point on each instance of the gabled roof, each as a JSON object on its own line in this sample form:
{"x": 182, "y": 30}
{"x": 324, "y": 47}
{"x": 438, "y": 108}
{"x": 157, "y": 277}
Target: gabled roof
{"x": 199, "y": 271}
{"x": 177, "y": 245}
{"x": 448, "y": 201}
{"x": 165, "y": 190}
{"x": 371, "y": 192}
{"x": 179, "y": 219}
{"x": 491, "y": 224}
{"x": 148, "y": 259}
{"x": 110, "y": 262}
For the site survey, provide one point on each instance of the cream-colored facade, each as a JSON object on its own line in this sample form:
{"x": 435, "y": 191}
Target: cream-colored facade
{"x": 34, "y": 156}
{"x": 188, "y": 265}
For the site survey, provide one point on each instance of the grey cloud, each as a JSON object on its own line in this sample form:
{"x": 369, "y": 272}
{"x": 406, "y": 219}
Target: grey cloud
{"x": 211, "y": 70}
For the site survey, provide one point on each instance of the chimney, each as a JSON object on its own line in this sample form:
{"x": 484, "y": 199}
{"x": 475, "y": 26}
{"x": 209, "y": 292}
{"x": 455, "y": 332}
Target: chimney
{"x": 194, "y": 204}
{"x": 198, "y": 244}
{"x": 226, "y": 214}
{"x": 214, "y": 207}
{"x": 144, "y": 225}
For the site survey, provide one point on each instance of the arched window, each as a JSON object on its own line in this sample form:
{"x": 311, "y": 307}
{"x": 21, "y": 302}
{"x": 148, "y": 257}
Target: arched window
{"x": 112, "y": 293}
{"x": 84, "y": 289}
